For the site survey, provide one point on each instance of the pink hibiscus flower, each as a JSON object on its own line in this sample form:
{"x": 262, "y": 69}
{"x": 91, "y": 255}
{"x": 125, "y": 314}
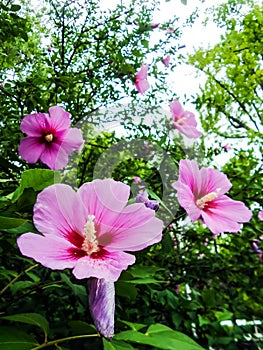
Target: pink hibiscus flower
{"x": 141, "y": 82}
{"x": 166, "y": 60}
{"x": 184, "y": 121}
{"x": 50, "y": 138}
{"x": 201, "y": 192}
{"x": 90, "y": 229}
{"x": 260, "y": 215}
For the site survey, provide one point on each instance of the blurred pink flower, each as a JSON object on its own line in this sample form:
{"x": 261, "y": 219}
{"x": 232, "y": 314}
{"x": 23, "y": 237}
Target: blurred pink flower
{"x": 226, "y": 147}
{"x": 50, "y": 138}
{"x": 90, "y": 229}
{"x": 177, "y": 288}
{"x": 201, "y": 192}
{"x": 166, "y": 60}
{"x": 170, "y": 30}
{"x": 136, "y": 179}
{"x": 184, "y": 121}
{"x": 155, "y": 25}
{"x": 141, "y": 82}
{"x": 260, "y": 215}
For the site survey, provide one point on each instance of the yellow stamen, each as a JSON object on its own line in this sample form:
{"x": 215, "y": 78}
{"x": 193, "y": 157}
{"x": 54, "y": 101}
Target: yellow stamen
{"x": 202, "y": 202}
{"x": 90, "y": 244}
{"x": 181, "y": 121}
{"x": 49, "y": 137}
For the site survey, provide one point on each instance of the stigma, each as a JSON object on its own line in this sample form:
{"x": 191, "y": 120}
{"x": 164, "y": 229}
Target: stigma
{"x": 90, "y": 244}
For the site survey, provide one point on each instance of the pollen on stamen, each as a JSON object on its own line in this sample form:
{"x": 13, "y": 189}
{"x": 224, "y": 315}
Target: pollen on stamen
{"x": 181, "y": 121}
{"x": 90, "y": 244}
{"x": 49, "y": 137}
{"x": 202, "y": 202}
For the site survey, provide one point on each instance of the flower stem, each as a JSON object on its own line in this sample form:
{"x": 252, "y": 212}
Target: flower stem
{"x": 55, "y": 342}
{"x": 16, "y": 278}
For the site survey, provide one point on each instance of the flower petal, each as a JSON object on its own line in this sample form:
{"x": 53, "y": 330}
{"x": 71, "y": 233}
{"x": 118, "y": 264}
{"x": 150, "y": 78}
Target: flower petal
{"x": 189, "y": 174}
{"x": 103, "y": 198}
{"x": 72, "y": 140}
{"x": 54, "y": 156}
{"x": 34, "y": 124}
{"x": 108, "y": 267}
{"x": 59, "y": 211}
{"x": 214, "y": 181}
{"x": 142, "y": 73}
{"x": 31, "y": 149}
{"x": 176, "y": 110}
{"x": 142, "y": 86}
{"x": 51, "y": 251}
{"x": 60, "y": 119}
{"x": 133, "y": 229}
{"x": 224, "y": 215}
{"x": 186, "y": 200}
{"x": 188, "y": 130}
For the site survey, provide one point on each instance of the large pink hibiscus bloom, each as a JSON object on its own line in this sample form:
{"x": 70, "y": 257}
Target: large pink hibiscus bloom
{"x": 141, "y": 82}
{"x": 184, "y": 121}
{"x": 50, "y": 138}
{"x": 90, "y": 229}
{"x": 201, "y": 192}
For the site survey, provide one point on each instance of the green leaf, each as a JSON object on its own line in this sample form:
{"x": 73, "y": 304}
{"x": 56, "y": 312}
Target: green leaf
{"x": 11, "y": 223}
{"x": 38, "y": 179}
{"x": 184, "y": 2}
{"x": 141, "y": 271}
{"x": 108, "y": 345}
{"x": 15, "y": 339}
{"x": 133, "y": 326}
{"x": 80, "y": 327}
{"x": 144, "y": 281}
{"x": 154, "y": 196}
{"x": 20, "y": 285}
{"x": 125, "y": 290}
{"x": 116, "y": 345}
{"x": 161, "y": 337}
{"x": 223, "y": 315}
{"x": 15, "y": 8}
{"x": 30, "y": 318}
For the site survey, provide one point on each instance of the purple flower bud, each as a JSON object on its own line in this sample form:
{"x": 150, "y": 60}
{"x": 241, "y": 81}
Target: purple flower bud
{"x": 255, "y": 247}
{"x": 142, "y": 197}
{"x": 152, "y": 204}
{"x": 102, "y": 305}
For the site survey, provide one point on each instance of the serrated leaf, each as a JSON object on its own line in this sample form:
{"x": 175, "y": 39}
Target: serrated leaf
{"x": 30, "y": 318}
{"x": 15, "y": 339}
